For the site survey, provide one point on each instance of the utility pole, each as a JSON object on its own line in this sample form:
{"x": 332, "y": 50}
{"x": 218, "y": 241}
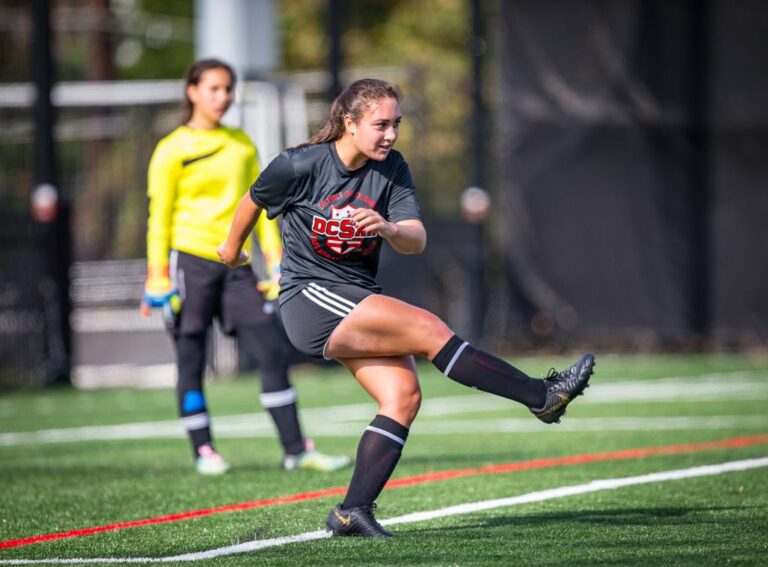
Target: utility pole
{"x": 475, "y": 202}
{"x": 477, "y": 48}
{"x": 334, "y": 28}
{"x": 49, "y": 208}
{"x": 700, "y": 186}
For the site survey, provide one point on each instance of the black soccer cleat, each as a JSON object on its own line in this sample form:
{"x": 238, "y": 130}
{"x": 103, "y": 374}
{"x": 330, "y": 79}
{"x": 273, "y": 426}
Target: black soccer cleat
{"x": 563, "y": 387}
{"x": 358, "y": 521}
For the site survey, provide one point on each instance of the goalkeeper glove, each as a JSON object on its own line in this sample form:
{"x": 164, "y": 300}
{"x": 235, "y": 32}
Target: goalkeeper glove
{"x": 271, "y": 287}
{"x": 160, "y": 293}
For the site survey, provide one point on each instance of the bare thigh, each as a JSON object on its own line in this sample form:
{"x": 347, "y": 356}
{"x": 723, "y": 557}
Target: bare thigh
{"x": 385, "y": 326}
{"x": 392, "y": 382}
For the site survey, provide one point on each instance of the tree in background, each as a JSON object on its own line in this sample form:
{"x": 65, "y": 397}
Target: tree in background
{"x": 427, "y": 37}
{"x": 154, "y": 39}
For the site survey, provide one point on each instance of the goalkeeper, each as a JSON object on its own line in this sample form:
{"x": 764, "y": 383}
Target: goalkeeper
{"x": 197, "y": 175}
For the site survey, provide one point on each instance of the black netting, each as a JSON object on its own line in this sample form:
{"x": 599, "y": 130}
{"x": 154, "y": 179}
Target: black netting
{"x": 631, "y": 137}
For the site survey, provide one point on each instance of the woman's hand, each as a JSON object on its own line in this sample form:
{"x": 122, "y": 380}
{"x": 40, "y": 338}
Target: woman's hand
{"x": 231, "y": 256}
{"x": 371, "y": 221}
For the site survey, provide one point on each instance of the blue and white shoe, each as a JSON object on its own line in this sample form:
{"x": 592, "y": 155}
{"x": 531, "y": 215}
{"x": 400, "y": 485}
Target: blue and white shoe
{"x": 312, "y": 460}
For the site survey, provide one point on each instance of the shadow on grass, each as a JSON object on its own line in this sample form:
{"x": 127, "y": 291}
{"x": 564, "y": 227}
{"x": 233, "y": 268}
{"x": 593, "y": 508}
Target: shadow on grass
{"x": 464, "y": 460}
{"x": 623, "y": 517}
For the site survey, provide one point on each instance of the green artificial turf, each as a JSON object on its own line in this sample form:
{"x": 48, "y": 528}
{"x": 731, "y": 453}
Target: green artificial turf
{"x": 52, "y": 483}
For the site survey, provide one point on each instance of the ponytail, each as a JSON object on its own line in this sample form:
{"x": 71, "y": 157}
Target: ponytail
{"x": 352, "y": 101}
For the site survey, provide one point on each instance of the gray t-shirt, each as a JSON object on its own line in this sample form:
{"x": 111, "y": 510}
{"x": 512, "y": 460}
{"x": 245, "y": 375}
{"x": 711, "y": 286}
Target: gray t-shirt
{"x": 316, "y": 193}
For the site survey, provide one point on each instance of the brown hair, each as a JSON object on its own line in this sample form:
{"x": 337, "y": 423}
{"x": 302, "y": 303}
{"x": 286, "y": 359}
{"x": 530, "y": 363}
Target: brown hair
{"x": 193, "y": 76}
{"x": 353, "y": 100}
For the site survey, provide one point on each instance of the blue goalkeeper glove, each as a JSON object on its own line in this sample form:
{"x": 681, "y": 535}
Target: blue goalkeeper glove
{"x": 159, "y": 293}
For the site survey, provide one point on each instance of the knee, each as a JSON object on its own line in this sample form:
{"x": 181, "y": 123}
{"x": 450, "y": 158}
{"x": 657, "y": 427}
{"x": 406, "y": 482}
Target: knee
{"x": 412, "y": 404}
{"x": 433, "y": 331}
{"x": 404, "y": 407}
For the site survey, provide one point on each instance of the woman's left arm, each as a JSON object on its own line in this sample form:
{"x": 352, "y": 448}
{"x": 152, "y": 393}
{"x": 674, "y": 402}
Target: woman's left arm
{"x": 406, "y": 236}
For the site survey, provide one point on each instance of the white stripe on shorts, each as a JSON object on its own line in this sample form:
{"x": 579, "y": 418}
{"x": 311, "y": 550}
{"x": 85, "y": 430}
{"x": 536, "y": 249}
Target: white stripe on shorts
{"x": 278, "y": 399}
{"x": 176, "y": 275}
{"x": 341, "y": 314}
{"x": 328, "y": 301}
{"x": 386, "y": 434}
{"x": 330, "y": 294}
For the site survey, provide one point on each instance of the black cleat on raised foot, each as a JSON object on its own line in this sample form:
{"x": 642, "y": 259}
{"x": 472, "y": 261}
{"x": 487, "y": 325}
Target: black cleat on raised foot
{"x": 358, "y": 521}
{"x": 563, "y": 387}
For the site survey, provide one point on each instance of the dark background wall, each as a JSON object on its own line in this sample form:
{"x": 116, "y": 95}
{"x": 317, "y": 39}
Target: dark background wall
{"x": 632, "y": 168}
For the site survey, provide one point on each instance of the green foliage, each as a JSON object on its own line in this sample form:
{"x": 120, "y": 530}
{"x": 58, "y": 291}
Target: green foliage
{"x": 165, "y": 31}
{"x": 15, "y": 41}
{"x": 104, "y": 179}
{"x": 428, "y": 39}
{"x": 304, "y": 43}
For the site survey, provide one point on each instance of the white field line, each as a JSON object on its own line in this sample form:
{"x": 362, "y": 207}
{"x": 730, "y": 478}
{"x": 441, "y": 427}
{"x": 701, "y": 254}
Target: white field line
{"x": 468, "y": 508}
{"x": 582, "y": 424}
{"x": 707, "y": 386}
{"x": 346, "y": 420}
{"x": 144, "y": 376}
{"x": 255, "y": 426}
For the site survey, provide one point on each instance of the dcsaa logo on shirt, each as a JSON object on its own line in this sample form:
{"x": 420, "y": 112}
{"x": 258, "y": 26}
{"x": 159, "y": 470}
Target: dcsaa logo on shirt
{"x": 342, "y": 235}
{"x": 342, "y": 212}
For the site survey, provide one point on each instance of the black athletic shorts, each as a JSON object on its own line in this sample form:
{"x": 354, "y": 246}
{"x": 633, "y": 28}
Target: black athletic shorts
{"x": 210, "y": 289}
{"x": 310, "y": 316}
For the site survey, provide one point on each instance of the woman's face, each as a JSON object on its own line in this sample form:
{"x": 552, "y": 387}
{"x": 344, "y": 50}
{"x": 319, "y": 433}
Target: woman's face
{"x": 377, "y": 130}
{"x": 211, "y": 96}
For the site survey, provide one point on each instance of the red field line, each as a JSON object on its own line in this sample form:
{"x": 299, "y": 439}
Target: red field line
{"x": 732, "y": 443}
{"x": 639, "y": 453}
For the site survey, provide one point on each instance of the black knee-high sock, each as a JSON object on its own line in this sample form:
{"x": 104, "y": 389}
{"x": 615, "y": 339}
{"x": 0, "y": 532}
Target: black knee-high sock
{"x": 463, "y": 363}
{"x": 190, "y": 356}
{"x": 281, "y": 406}
{"x": 377, "y": 454}
{"x": 266, "y": 343}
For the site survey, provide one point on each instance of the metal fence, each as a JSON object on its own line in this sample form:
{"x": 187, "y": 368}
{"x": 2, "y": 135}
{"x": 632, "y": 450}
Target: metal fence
{"x": 104, "y": 136}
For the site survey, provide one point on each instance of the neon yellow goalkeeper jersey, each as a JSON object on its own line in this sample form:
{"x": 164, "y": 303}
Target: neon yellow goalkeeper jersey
{"x": 196, "y": 180}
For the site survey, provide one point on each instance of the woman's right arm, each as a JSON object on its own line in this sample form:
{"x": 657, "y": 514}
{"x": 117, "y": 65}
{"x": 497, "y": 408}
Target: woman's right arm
{"x": 246, "y": 215}
{"x": 162, "y": 178}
